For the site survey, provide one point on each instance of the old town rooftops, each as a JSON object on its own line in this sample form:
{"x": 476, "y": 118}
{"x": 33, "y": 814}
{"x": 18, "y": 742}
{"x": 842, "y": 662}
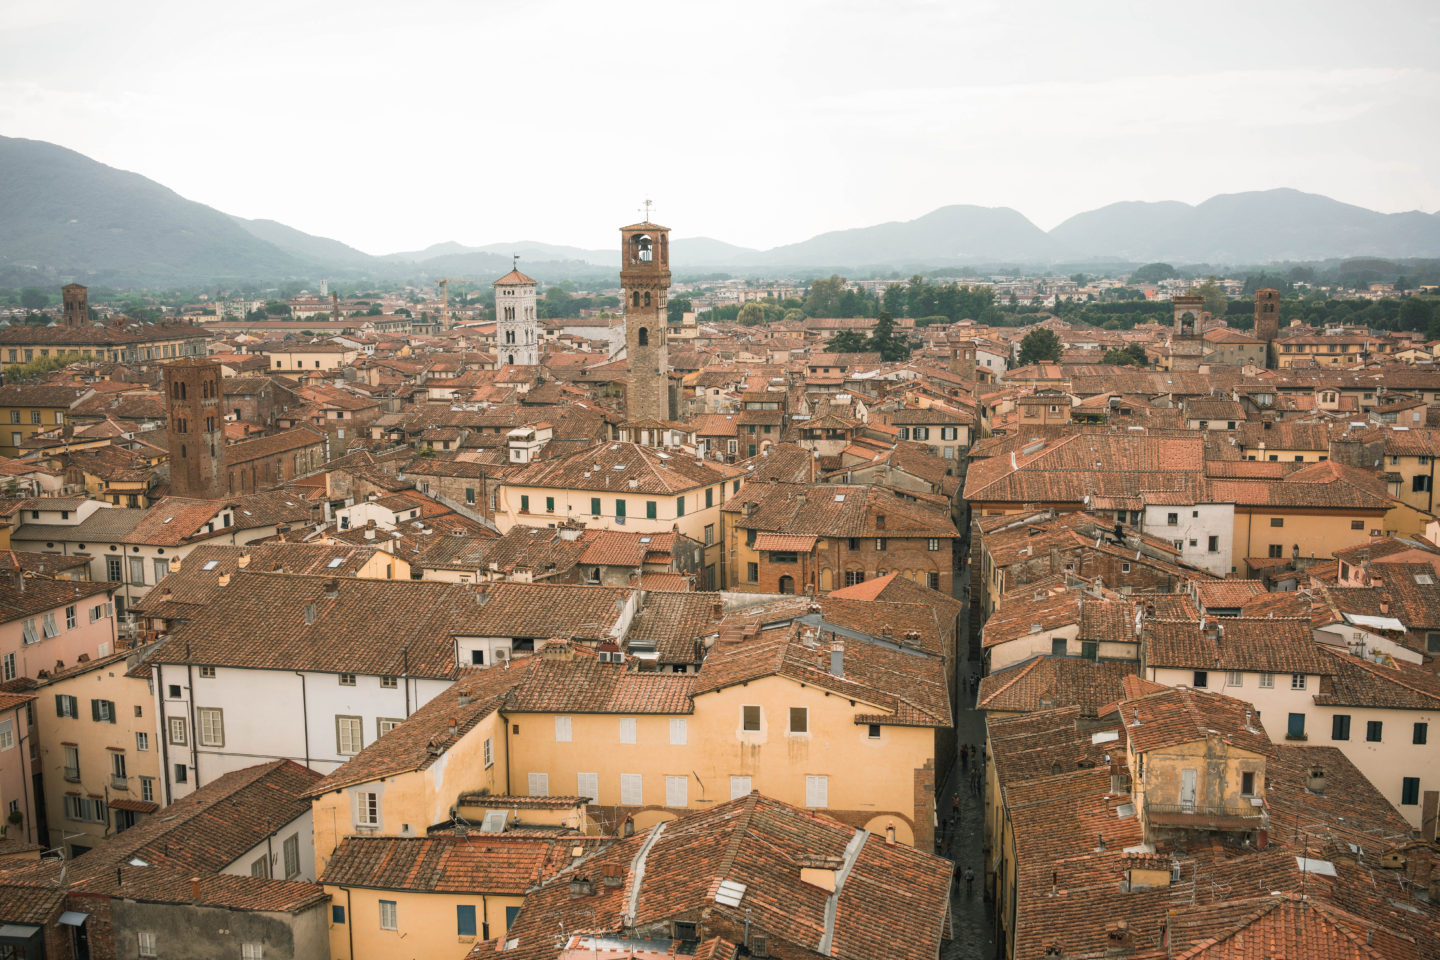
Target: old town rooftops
{"x": 612, "y": 467}
{"x": 379, "y": 627}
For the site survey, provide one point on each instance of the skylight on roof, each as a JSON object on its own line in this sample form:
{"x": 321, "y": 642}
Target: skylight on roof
{"x": 210, "y": 564}
{"x": 644, "y": 539}
{"x": 730, "y": 893}
{"x": 166, "y": 520}
{"x": 1424, "y": 579}
{"x": 839, "y": 498}
{"x": 618, "y": 466}
{"x": 1105, "y": 736}
{"x": 336, "y": 562}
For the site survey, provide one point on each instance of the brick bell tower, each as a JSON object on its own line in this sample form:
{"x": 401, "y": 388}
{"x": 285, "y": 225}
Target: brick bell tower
{"x": 644, "y": 281}
{"x": 195, "y": 428}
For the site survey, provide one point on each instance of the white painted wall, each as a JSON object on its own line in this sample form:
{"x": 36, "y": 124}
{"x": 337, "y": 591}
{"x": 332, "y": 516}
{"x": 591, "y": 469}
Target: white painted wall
{"x": 1198, "y": 522}
{"x": 274, "y": 849}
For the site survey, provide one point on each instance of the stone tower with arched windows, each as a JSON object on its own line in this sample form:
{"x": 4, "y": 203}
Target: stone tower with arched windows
{"x": 195, "y": 428}
{"x": 517, "y": 326}
{"x": 644, "y": 281}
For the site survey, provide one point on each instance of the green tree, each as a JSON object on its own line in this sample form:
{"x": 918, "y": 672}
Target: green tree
{"x": 375, "y": 310}
{"x": 886, "y": 342}
{"x": 1216, "y": 303}
{"x": 675, "y": 310}
{"x": 793, "y": 316}
{"x": 41, "y": 365}
{"x": 1132, "y": 355}
{"x": 33, "y": 298}
{"x": 1416, "y": 314}
{"x": 1039, "y": 346}
{"x": 846, "y": 341}
{"x": 751, "y": 315}
{"x": 1153, "y": 273}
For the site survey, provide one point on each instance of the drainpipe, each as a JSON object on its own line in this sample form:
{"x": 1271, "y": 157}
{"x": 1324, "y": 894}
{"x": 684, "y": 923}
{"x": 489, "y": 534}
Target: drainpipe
{"x": 349, "y": 923}
{"x": 28, "y": 779}
{"x": 194, "y": 730}
{"x": 163, "y": 732}
{"x": 304, "y": 717}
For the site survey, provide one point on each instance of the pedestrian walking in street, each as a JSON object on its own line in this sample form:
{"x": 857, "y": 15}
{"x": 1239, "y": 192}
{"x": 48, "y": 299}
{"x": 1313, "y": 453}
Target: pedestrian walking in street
{"x": 975, "y": 781}
{"x": 969, "y": 883}
{"x": 965, "y": 757}
{"x": 955, "y": 804}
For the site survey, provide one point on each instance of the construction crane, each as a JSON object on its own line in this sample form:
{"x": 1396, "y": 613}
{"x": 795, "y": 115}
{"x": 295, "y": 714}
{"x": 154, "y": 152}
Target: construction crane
{"x": 444, "y": 283}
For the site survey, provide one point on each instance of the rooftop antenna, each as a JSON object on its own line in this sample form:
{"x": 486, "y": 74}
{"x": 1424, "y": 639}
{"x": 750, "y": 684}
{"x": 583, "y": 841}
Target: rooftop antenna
{"x": 647, "y": 210}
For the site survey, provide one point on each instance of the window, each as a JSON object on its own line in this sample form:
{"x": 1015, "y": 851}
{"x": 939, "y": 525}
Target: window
{"x": 627, "y": 729}
{"x": 162, "y": 568}
{"x": 147, "y": 789}
{"x": 347, "y": 679}
{"x": 8, "y": 670}
{"x": 102, "y": 711}
{"x": 632, "y": 792}
{"x": 709, "y": 534}
{"x": 677, "y": 792}
{"x": 349, "y": 736}
{"x": 1277, "y": 521}
{"x": 387, "y": 915}
{"x": 853, "y": 577}
{"x": 1295, "y": 728}
{"x": 27, "y": 628}
{"x": 750, "y": 718}
{"x": 147, "y": 944}
{"x": 752, "y": 572}
{"x": 176, "y": 727}
{"x": 207, "y": 673}
{"x": 489, "y": 752}
{"x": 1057, "y": 646}
{"x": 117, "y": 766}
{"x": 1267, "y": 681}
{"x": 1214, "y": 545}
{"x": 142, "y": 741}
{"x": 113, "y": 572}
{"x": 66, "y": 706}
{"x": 7, "y": 734}
{"x": 337, "y": 914}
{"x": 291, "y": 851}
{"x": 182, "y": 773}
{"x": 587, "y": 785}
{"x": 1297, "y": 681}
{"x": 1172, "y": 519}
{"x": 465, "y": 919}
{"x": 879, "y": 543}
{"x": 932, "y": 580}
{"x": 35, "y": 415}
{"x": 389, "y": 683}
{"x": 1234, "y": 678}
{"x": 384, "y": 725}
{"x": 1420, "y": 734}
{"x": 137, "y": 571}
{"x": 1247, "y": 783}
{"x": 70, "y": 617}
{"x": 1373, "y": 730}
{"x": 799, "y": 720}
{"x": 817, "y": 791}
{"x": 562, "y": 729}
{"x": 1409, "y": 791}
{"x": 651, "y": 510}
{"x": 873, "y": 731}
{"x": 260, "y": 867}
{"x": 469, "y": 494}
{"x": 1340, "y": 727}
{"x": 619, "y": 507}
{"x": 252, "y": 950}
{"x": 212, "y": 727}
{"x": 594, "y": 506}
{"x": 679, "y": 506}
{"x": 367, "y": 809}
{"x": 1202, "y": 679}
{"x": 739, "y": 787}
{"x": 524, "y": 503}
{"x": 539, "y": 784}
{"x": 679, "y": 731}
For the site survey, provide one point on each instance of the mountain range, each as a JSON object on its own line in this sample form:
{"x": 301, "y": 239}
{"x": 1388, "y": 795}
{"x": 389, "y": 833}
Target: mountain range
{"x": 67, "y": 216}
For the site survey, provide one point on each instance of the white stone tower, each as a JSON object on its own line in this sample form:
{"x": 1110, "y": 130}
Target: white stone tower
{"x": 517, "y": 327}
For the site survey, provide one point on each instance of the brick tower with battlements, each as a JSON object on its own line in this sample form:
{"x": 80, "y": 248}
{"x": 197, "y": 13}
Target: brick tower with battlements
{"x": 1267, "y": 314}
{"x": 77, "y": 304}
{"x": 195, "y": 428}
{"x": 644, "y": 282}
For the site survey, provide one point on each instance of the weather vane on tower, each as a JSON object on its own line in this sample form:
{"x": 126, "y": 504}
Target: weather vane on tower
{"x": 647, "y": 210}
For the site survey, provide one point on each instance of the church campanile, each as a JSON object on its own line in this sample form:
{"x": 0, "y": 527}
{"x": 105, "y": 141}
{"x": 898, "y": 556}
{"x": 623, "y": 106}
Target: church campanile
{"x": 644, "y": 280}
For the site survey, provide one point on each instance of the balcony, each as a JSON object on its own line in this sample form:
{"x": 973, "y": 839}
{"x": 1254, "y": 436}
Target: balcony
{"x": 1243, "y": 816}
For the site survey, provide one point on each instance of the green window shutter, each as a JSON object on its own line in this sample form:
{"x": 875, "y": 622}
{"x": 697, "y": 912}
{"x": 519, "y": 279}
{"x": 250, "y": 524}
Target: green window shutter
{"x": 650, "y": 512}
{"x": 619, "y": 507}
{"x": 594, "y": 506}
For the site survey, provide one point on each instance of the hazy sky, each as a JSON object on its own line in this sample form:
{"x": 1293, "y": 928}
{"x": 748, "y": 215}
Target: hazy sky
{"x": 394, "y": 125}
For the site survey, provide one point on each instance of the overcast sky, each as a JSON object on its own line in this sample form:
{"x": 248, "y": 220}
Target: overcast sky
{"x": 394, "y": 125}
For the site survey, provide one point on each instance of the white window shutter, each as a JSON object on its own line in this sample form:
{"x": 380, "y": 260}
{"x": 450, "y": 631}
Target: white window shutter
{"x": 627, "y": 729}
{"x": 562, "y": 729}
{"x": 632, "y": 793}
{"x": 817, "y": 791}
{"x": 677, "y": 793}
{"x": 739, "y": 787}
{"x": 677, "y": 731}
{"x": 539, "y": 784}
{"x": 588, "y": 785}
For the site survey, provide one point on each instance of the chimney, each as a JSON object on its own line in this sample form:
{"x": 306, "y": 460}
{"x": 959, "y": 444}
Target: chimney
{"x": 332, "y": 588}
{"x": 464, "y": 699}
{"x": 482, "y": 593}
{"x": 885, "y": 631}
{"x": 1315, "y": 783}
{"x": 581, "y": 887}
{"x": 195, "y": 889}
{"x": 890, "y": 833}
{"x": 747, "y": 508}
{"x": 370, "y": 529}
{"x": 223, "y": 581}
{"x": 1385, "y": 605}
{"x": 454, "y": 726}
{"x": 243, "y": 561}
{"x": 837, "y": 658}
{"x": 611, "y": 875}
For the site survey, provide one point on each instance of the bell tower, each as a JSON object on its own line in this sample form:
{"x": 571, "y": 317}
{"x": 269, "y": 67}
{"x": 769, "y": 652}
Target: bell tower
{"x": 517, "y": 335}
{"x": 644, "y": 281}
{"x": 195, "y": 431}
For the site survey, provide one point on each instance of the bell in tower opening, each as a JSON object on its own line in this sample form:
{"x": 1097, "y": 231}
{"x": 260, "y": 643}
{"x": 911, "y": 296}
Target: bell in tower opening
{"x": 645, "y": 285}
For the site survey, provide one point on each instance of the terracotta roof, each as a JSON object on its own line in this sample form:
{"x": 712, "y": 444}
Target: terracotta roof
{"x": 449, "y": 864}
{"x": 585, "y": 685}
{"x": 1260, "y": 644}
{"x": 1177, "y": 715}
{"x": 1044, "y": 683}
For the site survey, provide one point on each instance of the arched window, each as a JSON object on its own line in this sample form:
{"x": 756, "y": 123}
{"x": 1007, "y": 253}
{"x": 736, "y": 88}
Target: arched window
{"x": 510, "y": 359}
{"x": 641, "y": 248}
{"x": 643, "y": 339}
{"x": 787, "y": 584}
{"x": 647, "y": 298}
{"x": 182, "y": 451}
{"x": 635, "y": 299}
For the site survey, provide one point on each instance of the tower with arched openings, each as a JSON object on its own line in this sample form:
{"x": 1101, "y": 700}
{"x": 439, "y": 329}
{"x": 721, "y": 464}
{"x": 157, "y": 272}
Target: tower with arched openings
{"x": 644, "y": 282}
{"x": 517, "y": 326}
{"x": 195, "y": 427}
